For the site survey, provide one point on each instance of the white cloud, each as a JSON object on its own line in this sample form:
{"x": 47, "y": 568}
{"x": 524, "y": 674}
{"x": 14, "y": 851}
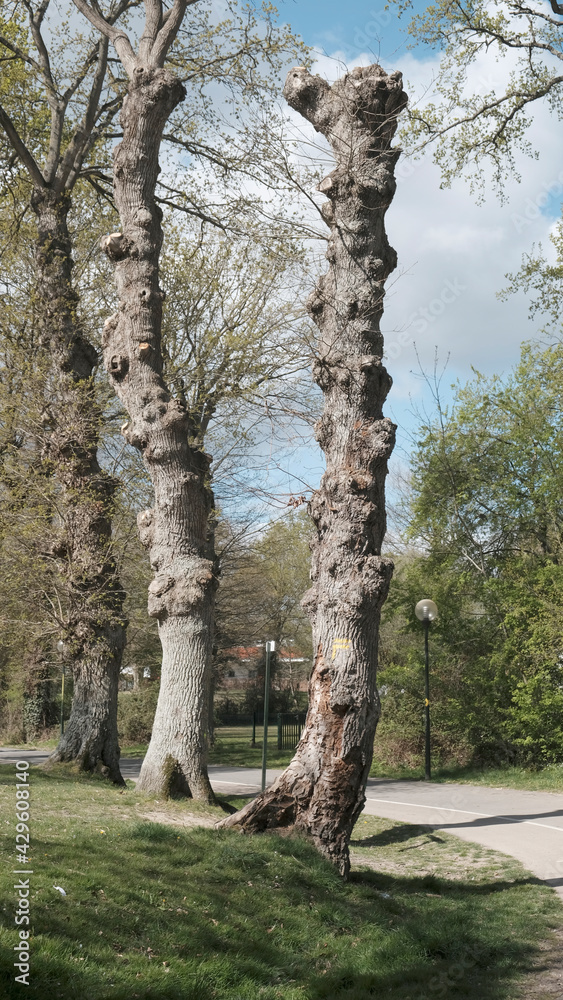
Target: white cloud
{"x": 454, "y": 254}
{"x": 443, "y": 236}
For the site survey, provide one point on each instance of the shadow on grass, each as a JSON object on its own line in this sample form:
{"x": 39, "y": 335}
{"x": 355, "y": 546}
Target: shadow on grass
{"x": 165, "y": 915}
{"x": 60, "y": 772}
{"x": 397, "y": 835}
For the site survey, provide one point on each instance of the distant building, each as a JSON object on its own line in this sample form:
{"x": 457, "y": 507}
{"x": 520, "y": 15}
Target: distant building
{"x": 240, "y": 665}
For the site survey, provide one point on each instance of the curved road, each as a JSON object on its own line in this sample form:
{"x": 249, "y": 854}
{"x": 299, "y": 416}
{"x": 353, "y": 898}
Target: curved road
{"x": 527, "y": 825}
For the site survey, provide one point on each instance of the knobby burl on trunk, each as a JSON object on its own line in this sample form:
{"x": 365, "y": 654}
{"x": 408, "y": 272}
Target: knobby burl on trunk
{"x": 178, "y": 531}
{"x": 81, "y": 544}
{"x": 322, "y": 792}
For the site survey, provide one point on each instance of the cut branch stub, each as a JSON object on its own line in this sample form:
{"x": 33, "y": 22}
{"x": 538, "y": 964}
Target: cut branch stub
{"x": 322, "y": 791}
{"x": 116, "y": 246}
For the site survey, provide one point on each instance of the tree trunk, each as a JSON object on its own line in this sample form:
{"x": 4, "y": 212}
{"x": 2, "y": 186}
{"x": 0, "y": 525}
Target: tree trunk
{"x": 95, "y": 630}
{"x": 322, "y": 792}
{"x": 179, "y": 530}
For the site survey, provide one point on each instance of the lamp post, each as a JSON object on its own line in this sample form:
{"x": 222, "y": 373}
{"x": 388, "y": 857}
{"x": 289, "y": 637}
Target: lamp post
{"x": 61, "y": 648}
{"x": 426, "y": 611}
{"x": 270, "y": 647}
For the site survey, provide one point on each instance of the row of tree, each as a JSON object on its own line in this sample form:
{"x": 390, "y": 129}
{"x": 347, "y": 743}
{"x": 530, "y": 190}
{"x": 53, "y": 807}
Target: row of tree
{"x": 227, "y": 331}
{"x": 176, "y": 366}
{"x": 50, "y": 160}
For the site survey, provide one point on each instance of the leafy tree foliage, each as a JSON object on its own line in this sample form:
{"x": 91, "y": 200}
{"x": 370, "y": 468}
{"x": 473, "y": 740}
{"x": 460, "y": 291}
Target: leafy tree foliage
{"x": 486, "y": 509}
{"x": 487, "y": 126}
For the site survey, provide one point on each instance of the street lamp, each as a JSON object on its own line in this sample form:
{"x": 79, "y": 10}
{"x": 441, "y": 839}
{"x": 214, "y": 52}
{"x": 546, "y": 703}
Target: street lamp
{"x": 61, "y": 649}
{"x": 426, "y": 611}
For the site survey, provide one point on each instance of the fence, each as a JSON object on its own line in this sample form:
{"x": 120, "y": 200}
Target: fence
{"x": 289, "y": 726}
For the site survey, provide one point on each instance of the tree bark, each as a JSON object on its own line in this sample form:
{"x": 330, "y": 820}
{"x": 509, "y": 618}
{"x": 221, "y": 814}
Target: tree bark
{"x": 81, "y": 544}
{"x": 179, "y": 530}
{"x": 322, "y": 792}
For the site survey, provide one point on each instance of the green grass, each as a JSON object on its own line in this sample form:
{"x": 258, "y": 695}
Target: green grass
{"x": 233, "y": 747}
{"x": 549, "y": 779}
{"x": 159, "y": 910}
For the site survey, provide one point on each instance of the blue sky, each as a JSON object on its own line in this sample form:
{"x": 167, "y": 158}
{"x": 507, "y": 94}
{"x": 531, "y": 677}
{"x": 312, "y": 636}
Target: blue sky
{"x": 353, "y": 28}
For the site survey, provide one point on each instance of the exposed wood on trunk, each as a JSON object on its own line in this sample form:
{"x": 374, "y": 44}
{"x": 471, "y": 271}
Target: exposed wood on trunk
{"x": 322, "y": 791}
{"x": 81, "y": 544}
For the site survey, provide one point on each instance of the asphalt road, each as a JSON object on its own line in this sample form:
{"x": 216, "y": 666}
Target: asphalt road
{"x": 527, "y": 825}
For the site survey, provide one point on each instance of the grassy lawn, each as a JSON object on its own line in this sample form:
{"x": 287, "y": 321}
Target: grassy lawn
{"x": 549, "y": 779}
{"x": 233, "y": 746}
{"x": 158, "y": 908}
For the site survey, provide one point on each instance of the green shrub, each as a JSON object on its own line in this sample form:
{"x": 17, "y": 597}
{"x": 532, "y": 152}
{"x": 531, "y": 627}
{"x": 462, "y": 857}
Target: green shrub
{"x": 135, "y": 713}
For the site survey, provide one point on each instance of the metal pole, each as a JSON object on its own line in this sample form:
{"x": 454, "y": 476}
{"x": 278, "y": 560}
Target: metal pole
{"x": 63, "y": 699}
{"x": 427, "y": 700}
{"x": 269, "y": 647}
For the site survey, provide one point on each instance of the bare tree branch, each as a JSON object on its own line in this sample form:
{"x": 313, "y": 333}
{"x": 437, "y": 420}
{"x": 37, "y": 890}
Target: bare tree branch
{"x": 153, "y": 24}
{"x": 168, "y": 31}
{"x": 21, "y": 149}
{"x": 118, "y": 37}
{"x": 83, "y": 137}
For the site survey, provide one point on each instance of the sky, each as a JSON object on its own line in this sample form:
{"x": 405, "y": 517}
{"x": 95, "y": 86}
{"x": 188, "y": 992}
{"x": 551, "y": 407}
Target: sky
{"x": 442, "y": 304}
{"x": 454, "y": 255}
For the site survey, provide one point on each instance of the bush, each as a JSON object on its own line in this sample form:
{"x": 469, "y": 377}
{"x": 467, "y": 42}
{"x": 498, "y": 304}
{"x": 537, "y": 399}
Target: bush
{"x": 135, "y": 713}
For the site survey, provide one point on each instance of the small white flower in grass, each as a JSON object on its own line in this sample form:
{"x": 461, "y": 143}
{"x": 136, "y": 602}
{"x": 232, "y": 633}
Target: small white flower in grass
{"x": 59, "y": 889}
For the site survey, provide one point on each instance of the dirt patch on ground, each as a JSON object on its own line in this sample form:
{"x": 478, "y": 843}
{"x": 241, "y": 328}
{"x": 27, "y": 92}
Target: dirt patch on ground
{"x": 186, "y": 819}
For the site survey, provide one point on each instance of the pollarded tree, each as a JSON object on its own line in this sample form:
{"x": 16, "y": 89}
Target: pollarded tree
{"x": 49, "y": 155}
{"x": 322, "y": 791}
{"x": 178, "y": 530}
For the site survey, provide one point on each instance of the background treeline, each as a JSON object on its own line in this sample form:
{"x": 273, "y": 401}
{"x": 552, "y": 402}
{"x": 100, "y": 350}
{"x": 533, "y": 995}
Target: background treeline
{"x": 483, "y": 519}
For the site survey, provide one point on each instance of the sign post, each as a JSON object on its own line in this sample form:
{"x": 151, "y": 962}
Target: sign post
{"x": 270, "y": 647}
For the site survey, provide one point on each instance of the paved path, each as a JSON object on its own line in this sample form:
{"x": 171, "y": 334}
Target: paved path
{"x": 527, "y": 825}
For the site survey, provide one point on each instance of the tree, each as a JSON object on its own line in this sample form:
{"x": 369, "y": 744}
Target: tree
{"x": 46, "y": 162}
{"x": 262, "y": 581}
{"x": 178, "y": 530}
{"x": 485, "y": 477}
{"x": 322, "y": 791}
{"x": 75, "y": 147}
{"x": 472, "y": 129}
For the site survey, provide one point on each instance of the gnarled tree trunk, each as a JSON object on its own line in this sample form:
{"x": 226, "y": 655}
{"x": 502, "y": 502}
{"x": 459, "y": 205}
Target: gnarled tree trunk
{"x": 178, "y": 531}
{"x": 81, "y": 543}
{"x": 322, "y": 792}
